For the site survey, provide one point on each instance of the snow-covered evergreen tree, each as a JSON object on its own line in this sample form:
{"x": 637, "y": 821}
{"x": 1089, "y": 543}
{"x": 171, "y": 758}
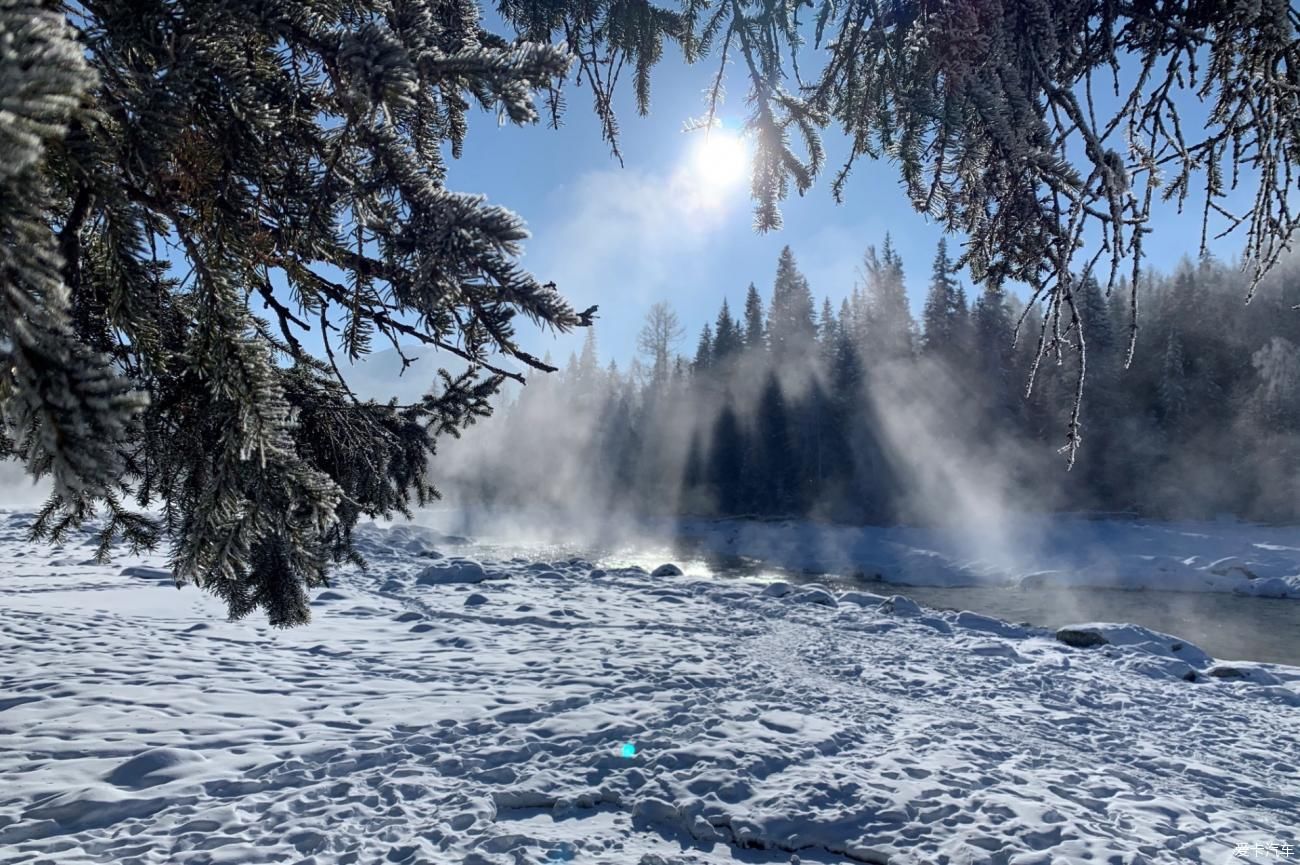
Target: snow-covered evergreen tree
{"x": 1172, "y": 392}
{"x": 1275, "y": 403}
{"x": 66, "y": 411}
{"x": 888, "y": 327}
{"x": 944, "y": 317}
{"x": 190, "y": 187}
{"x": 993, "y": 334}
{"x": 791, "y": 330}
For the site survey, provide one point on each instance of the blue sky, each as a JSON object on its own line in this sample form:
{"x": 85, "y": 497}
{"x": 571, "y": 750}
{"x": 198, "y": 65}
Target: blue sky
{"x": 626, "y": 237}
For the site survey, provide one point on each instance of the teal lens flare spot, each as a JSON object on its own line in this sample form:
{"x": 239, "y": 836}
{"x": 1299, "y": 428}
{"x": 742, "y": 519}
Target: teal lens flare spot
{"x": 629, "y": 750}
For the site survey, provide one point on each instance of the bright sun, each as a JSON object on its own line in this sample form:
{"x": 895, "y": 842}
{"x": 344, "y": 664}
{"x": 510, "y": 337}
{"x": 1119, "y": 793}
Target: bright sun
{"x": 720, "y": 159}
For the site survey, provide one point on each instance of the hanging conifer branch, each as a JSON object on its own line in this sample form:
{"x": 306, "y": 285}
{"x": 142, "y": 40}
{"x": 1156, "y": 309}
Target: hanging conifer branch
{"x": 991, "y": 111}
{"x": 283, "y": 153}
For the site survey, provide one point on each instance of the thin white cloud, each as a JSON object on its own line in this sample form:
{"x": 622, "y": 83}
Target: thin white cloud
{"x": 631, "y": 234}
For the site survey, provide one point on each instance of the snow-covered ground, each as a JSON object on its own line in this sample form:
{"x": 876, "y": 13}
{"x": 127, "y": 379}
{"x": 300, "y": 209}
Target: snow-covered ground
{"x": 439, "y": 710}
{"x": 1034, "y": 552}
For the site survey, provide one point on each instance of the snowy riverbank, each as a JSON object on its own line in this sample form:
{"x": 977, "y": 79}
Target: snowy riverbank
{"x": 439, "y": 710}
{"x": 1034, "y": 552}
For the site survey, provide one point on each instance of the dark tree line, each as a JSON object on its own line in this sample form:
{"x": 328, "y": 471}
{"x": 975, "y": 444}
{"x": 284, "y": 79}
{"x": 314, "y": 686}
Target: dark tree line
{"x": 797, "y": 408}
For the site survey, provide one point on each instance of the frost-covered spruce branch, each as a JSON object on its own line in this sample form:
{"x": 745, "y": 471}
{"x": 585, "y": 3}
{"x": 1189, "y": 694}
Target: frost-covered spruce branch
{"x": 65, "y": 407}
{"x": 172, "y": 172}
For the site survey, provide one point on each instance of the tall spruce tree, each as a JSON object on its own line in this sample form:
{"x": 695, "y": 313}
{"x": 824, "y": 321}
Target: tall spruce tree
{"x": 727, "y": 469}
{"x": 694, "y": 487}
{"x": 840, "y": 469}
{"x": 847, "y": 320}
{"x": 704, "y": 350}
{"x": 774, "y": 462}
{"x": 728, "y": 341}
{"x": 791, "y": 329}
{"x": 994, "y": 352}
{"x": 943, "y": 319}
{"x": 1105, "y": 465}
{"x": 888, "y": 326}
{"x": 828, "y": 329}
{"x": 1029, "y": 363}
{"x": 755, "y": 338}
{"x": 1095, "y": 311}
{"x": 589, "y": 376}
{"x": 1171, "y": 405}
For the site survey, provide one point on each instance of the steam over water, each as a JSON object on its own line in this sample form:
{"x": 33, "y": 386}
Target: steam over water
{"x": 1230, "y": 627}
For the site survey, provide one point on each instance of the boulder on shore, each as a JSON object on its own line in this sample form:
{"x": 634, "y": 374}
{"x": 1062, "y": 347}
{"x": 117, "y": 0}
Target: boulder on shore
{"x": 815, "y": 595}
{"x": 1081, "y": 638}
{"x": 900, "y": 605}
{"x": 455, "y": 571}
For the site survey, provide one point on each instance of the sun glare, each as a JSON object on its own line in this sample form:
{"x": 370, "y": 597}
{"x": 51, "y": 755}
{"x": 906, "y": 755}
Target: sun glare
{"x": 720, "y": 160}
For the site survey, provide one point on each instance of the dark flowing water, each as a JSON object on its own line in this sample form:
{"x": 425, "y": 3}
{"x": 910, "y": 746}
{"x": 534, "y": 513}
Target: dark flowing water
{"x": 1229, "y": 627}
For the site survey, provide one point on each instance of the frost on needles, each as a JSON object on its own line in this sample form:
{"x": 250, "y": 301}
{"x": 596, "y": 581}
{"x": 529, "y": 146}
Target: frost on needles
{"x": 191, "y": 187}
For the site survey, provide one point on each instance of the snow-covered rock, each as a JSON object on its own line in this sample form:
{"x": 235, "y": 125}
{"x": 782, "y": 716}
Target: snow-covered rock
{"x": 901, "y": 606}
{"x": 158, "y": 575}
{"x": 814, "y": 595}
{"x": 988, "y": 624}
{"x": 1271, "y": 587}
{"x": 455, "y": 571}
{"x": 1135, "y": 638}
{"x": 862, "y": 599}
{"x": 1256, "y": 674}
{"x": 1081, "y": 638}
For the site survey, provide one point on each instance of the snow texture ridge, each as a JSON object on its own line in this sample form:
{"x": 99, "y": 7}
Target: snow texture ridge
{"x": 484, "y": 721}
